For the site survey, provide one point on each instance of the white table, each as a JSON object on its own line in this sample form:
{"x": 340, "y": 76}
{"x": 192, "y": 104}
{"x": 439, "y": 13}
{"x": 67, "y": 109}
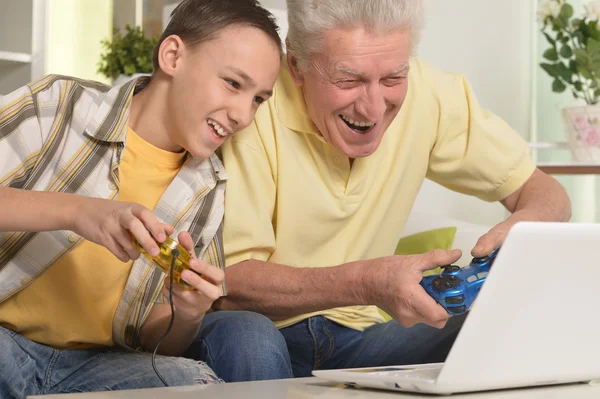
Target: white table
{"x": 306, "y": 388}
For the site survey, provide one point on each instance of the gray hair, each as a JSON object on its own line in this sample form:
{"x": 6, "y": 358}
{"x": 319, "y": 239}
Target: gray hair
{"x": 308, "y": 20}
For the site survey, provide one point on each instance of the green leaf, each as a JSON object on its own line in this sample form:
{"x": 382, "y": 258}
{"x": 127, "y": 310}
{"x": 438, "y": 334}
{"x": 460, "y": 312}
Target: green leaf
{"x": 550, "y": 69}
{"x": 558, "y": 86}
{"x": 564, "y": 72}
{"x": 559, "y": 24}
{"x": 593, "y": 49}
{"x": 127, "y": 52}
{"x": 584, "y": 63}
{"x": 549, "y": 38}
{"x": 578, "y": 86}
{"x": 597, "y": 93}
{"x": 573, "y": 65}
{"x": 551, "y": 54}
{"x": 566, "y": 51}
{"x": 566, "y": 11}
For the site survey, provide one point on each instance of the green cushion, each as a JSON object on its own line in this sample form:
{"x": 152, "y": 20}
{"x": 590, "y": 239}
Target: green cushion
{"x": 425, "y": 241}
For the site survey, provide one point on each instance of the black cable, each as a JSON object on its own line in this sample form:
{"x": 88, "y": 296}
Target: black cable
{"x": 175, "y": 254}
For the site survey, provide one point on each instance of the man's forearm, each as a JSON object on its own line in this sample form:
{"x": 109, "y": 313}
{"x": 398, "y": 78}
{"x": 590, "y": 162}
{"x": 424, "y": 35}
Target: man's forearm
{"x": 181, "y": 336}
{"x": 25, "y": 210}
{"x": 280, "y": 292}
{"x": 542, "y": 199}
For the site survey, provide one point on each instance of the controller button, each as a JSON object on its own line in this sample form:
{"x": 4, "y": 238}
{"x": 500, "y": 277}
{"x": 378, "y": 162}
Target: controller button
{"x": 454, "y": 300}
{"x": 471, "y": 279}
{"x": 457, "y": 309}
{"x": 482, "y": 275}
{"x": 447, "y": 284}
{"x": 480, "y": 260}
{"x": 452, "y": 269}
{"x": 452, "y": 278}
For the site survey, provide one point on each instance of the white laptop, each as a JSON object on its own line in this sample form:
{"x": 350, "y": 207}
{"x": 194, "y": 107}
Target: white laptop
{"x": 536, "y": 320}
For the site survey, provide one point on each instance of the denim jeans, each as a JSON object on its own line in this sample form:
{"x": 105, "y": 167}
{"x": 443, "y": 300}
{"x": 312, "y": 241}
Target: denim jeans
{"x": 245, "y": 346}
{"x": 29, "y": 368}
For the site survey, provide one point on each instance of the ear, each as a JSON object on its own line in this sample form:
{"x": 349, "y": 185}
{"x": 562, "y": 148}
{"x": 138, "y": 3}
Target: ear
{"x": 296, "y": 73}
{"x": 169, "y": 53}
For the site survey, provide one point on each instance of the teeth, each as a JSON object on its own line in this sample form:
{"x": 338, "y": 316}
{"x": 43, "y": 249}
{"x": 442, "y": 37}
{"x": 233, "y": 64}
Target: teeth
{"x": 220, "y": 131}
{"x": 356, "y": 123}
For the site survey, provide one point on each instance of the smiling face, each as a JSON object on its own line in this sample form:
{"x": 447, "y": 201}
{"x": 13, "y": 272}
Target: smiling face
{"x": 355, "y": 86}
{"x": 217, "y": 86}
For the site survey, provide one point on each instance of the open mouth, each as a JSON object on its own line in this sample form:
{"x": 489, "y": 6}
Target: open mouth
{"x": 216, "y": 129}
{"x": 358, "y": 127}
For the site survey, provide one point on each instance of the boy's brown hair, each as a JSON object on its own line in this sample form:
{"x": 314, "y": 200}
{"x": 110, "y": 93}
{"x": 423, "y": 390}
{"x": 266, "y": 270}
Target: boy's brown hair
{"x": 196, "y": 21}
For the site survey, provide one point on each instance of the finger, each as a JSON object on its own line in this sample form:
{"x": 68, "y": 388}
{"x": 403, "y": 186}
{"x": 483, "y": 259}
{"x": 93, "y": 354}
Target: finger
{"x": 487, "y": 243}
{"x": 437, "y": 258}
{"x": 142, "y": 235}
{"x": 185, "y": 239}
{"x": 202, "y": 286}
{"x": 426, "y": 307}
{"x": 124, "y": 240}
{"x": 113, "y": 246}
{"x": 208, "y": 271}
{"x": 152, "y": 224}
{"x": 168, "y": 229}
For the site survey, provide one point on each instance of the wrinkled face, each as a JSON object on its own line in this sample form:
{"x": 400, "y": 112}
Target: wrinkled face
{"x": 217, "y": 86}
{"x": 355, "y": 86}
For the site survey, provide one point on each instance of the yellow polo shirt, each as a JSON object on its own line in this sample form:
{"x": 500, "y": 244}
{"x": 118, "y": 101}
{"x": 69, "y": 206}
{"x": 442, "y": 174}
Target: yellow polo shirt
{"x": 293, "y": 199}
{"x": 72, "y": 305}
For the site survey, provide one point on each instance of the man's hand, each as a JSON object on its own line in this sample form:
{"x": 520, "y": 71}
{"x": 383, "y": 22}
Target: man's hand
{"x": 540, "y": 198}
{"x": 392, "y": 283}
{"x": 191, "y": 305}
{"x": 492, "y": 239}
{"x": 112, "y": 224}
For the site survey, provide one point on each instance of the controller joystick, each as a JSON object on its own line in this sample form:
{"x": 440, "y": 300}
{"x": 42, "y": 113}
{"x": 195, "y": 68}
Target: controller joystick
{"x": 456, "y": 288}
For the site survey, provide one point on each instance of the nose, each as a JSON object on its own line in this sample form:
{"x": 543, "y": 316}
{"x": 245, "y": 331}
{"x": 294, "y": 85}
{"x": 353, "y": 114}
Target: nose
{"x": 241, "y": 112}
{"x": 371, "y": 103}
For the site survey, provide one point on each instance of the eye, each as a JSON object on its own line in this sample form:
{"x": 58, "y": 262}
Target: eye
{"x": 394, "y": 80}
{"x": 259, "y": 100}
{"x": 348, "y": 83}
{"x": 233, "y": 83}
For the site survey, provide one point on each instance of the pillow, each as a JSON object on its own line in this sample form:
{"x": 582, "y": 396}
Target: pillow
{"x": 425, "y": 241}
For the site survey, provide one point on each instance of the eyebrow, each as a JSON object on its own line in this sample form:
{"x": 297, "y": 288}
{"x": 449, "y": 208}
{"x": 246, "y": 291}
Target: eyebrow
{"x": 396, "y": 71}
{"x": 354, "y": 72}
{"x": 249, "y": 80}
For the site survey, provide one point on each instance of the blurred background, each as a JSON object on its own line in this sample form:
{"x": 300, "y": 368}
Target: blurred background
{"x": 497, "y": 44}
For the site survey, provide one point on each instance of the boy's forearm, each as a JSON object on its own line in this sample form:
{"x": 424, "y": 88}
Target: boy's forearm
{"x": 26, "y": 210}
{"x": 181, "y": 336}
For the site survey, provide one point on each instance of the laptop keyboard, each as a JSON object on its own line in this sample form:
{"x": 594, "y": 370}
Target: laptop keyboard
{"x": 424, "y": 373}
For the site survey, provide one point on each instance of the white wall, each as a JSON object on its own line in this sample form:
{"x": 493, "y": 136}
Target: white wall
{"x": 75, "y": 30}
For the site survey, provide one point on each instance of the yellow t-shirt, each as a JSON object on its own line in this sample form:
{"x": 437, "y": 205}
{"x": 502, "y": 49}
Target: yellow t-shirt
{"x": 293, "y": 199}
{"x": 72, "y": 305}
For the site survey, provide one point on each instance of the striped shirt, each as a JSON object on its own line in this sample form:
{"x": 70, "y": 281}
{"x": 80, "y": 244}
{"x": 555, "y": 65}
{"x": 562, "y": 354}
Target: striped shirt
{"x": 62, "y": 134}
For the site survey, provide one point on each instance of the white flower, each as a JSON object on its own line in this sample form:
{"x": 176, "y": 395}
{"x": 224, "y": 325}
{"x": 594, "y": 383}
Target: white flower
{"x": 549, "y": 8}
{"x": 592, "y": 10}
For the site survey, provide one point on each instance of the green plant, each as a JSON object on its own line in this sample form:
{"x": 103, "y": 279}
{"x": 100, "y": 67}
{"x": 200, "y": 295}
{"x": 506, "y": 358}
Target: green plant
{"x": 574, "y": 53}
{"x": 126, "y": 54}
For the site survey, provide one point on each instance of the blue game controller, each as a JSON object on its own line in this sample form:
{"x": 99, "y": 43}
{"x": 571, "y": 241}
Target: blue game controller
{"x": 456, "y": 288}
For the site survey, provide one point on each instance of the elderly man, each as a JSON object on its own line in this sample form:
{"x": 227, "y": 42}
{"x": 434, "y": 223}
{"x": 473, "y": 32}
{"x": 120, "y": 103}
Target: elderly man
{"x": 322, "y": 184}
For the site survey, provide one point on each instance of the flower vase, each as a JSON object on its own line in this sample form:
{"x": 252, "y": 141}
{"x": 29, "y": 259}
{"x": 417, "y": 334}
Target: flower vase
{"x": 582, "y": 128}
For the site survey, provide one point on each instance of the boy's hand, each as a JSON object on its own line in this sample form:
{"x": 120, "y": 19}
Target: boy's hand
{"x": 192, "y": 304}
{"x": 112, "y": 224}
